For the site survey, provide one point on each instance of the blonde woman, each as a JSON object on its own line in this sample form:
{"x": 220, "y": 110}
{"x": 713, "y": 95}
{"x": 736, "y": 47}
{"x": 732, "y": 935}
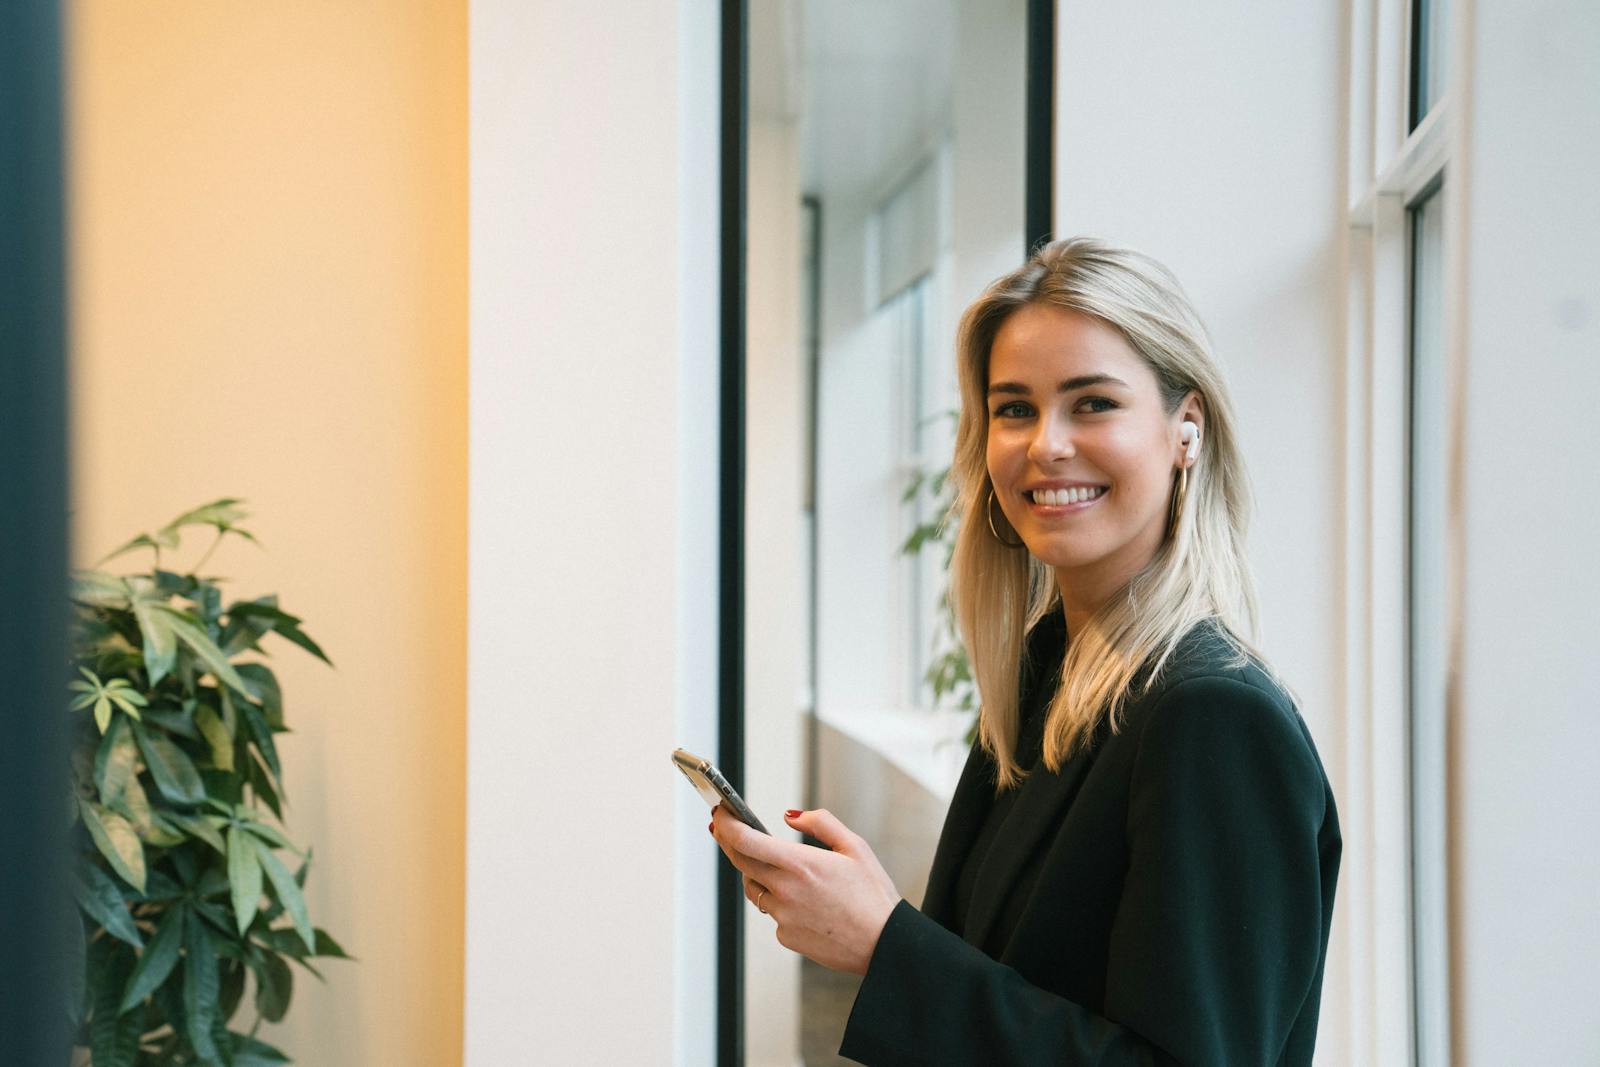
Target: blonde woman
{"x": 1138, "y": 864}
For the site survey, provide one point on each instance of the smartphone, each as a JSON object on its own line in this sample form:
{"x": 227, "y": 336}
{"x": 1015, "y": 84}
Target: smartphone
{"x": 711, "y": 785}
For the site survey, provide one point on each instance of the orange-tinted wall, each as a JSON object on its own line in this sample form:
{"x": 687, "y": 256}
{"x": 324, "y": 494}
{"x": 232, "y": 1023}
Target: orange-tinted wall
{"x": 269, "y": 300}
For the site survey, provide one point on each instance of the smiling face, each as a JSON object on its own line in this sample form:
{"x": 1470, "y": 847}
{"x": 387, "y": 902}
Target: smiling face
{"x": 1080, "y": 448}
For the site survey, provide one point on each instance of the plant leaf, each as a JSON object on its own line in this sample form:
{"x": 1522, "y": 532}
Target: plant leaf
{"x": 261, "y": 782}
{"x": 169, "y": 1003}
{"x": 160, "y": 832}
{"x": 197, "y": 826}
{"x": 284, "y": 624}
{"x": 275, "y": 909}
{"x": 232, "y": 991}
{"x": 271, "y": 835}
{"x": 173, "y": 721}
{"x": 171, "y": 582}
{"x": 211, "y": 913}
{"x": 294, "y": 902}
{"x": 136, "y": 808}
{"x": 244, "y": 876}
{"x": 274, "y": 985}
{"x": 117, "y": 842}
{"x": 157, "y": 959}
{"x": 216, "y": 735}
{"x": 173, "y": 770}
{"x": 116, "y": 762}
{"x": 204, "y": 649}
{"x": 129, "y": 700}
{"x": 160, "y": 643}
{"x": 327, "y": 946}
{"x": 249, "y": 1052}
{"x": 113, "y": 1036}
{"x": 261, "y": 731}
{"x": 200, "y": 987}
{"x": 220, "y": 513}
{"x": 159, "y": 886}
{"x": 101, "y": 900}
{"x": 266, "y": 683}
{"x": 224, "y": 787}
{"x": 117, "y": 778}
{"x": 158, "y": 541}
{"x": 285, "y": 941}
{"x": 99, "y": 589}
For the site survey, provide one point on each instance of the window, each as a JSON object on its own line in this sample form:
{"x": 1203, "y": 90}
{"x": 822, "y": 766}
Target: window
{"x": 1398, "y": 370}
{"x": 1427, "y": 628}
{"x": 1430, "y": 30}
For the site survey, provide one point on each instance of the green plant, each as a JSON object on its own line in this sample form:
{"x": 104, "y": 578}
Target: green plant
{"x": 949, "y": 673}
{"x": 174, "y": 774}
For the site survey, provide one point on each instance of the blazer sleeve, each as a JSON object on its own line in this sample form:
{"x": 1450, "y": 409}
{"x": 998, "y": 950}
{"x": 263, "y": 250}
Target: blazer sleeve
{"x": 1217, "y": 939}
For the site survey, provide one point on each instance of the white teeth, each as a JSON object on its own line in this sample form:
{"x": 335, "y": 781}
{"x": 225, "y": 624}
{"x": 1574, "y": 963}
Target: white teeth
{"x": 1058, "y": 497}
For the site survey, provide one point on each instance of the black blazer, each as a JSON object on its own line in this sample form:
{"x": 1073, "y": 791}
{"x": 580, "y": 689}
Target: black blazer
{"x": 1165, "y": 898}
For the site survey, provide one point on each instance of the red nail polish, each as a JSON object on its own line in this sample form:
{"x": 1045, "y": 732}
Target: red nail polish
{"x": 791, "y": 813}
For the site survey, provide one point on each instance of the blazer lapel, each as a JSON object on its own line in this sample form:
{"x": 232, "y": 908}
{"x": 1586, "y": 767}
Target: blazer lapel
{"x": 969, "y": 807}
{"x": 1037, "y": 812}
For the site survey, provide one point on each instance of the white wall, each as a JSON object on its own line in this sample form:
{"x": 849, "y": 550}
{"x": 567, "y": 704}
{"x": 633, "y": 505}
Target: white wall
{"x": 1526, "y": 739}
{"x": 592, "y": 503}
{"x": 775, "y": 593}
{"x": 1209, "y": 136}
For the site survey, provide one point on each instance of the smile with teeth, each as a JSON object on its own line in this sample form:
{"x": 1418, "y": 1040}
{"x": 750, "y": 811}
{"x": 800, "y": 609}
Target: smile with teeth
{"x": 1058, "y": 497}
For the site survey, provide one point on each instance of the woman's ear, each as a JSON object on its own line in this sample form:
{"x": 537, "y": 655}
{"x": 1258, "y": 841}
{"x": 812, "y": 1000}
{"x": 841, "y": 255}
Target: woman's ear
{"x": 1192, "y": 412}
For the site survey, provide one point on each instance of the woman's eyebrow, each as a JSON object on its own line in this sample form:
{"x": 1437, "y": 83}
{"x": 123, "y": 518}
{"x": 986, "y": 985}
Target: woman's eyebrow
{"x": 1080, "y": 382}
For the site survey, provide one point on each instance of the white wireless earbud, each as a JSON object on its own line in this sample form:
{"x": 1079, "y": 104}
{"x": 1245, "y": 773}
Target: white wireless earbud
{"x": 1189, "y": 434}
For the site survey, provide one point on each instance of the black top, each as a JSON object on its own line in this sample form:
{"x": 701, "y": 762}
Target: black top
{"x": 1164, "y": 898}
{"x": 1047, "y": 645}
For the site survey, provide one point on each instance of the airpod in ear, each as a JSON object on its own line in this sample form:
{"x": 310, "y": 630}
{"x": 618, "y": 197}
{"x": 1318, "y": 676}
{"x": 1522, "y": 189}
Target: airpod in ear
{"x": 1189, "y": 434}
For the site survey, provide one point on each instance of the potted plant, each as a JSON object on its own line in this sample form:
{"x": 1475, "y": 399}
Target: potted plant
{"x": 185, "y": 879}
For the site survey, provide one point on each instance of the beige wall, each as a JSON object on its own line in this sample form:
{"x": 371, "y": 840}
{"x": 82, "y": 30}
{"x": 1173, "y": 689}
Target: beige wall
{"x": 269, "y": 211}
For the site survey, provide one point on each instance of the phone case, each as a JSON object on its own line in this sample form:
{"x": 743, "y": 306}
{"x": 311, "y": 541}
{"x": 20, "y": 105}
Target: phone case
{"x": 713, "y": 787}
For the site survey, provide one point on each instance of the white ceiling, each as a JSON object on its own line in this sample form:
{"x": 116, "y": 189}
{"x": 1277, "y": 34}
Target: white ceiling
{"x": 869, "y": 81}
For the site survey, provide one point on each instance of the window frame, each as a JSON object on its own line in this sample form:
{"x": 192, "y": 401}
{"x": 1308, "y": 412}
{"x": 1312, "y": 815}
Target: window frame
{"x": 1391, "y": 168}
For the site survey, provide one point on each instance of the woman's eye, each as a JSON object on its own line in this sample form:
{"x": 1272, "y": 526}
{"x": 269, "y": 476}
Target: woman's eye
{"x": 1014, "y": 410}
{"x": 1099, "y": 403}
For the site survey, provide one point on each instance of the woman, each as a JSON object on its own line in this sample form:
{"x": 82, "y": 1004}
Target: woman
{"x": 1138, "y": 864}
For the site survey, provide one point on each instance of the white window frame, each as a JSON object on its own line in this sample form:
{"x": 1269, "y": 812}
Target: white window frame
{"x": 1388, "y": 170}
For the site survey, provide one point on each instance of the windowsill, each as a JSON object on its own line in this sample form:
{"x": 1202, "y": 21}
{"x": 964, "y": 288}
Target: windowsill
{"x": 927, "y": 745}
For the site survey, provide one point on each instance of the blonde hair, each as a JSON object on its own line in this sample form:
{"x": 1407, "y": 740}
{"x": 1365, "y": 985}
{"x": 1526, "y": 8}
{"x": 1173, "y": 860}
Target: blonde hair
{"x": 1000, "y": 592}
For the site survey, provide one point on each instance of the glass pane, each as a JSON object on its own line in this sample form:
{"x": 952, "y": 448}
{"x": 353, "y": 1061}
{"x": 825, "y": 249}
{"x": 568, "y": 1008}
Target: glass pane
{"x": 1428, "y": 634}
{"x": 1430, "y": 55}
{"x": 887, "y": 147}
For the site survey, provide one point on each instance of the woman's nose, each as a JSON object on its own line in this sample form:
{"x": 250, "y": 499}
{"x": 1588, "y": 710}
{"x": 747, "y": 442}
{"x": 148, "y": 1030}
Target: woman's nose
{"x": 1052, "y": 439}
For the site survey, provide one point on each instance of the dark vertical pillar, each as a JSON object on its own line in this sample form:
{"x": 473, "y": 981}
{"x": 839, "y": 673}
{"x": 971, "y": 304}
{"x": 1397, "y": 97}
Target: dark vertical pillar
{"x": 33, "y": 539}
{"x": 1041, "y": 118}
{"x": 730, "y": 685}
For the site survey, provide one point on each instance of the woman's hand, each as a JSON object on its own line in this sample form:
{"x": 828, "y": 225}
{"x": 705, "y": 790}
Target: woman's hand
{"x": 829, "y": 906}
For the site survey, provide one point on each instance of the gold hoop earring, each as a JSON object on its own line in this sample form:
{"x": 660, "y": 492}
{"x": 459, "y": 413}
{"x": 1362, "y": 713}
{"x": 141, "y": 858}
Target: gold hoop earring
{"x": 1175, "y": 512}
{"x": 989, "y": 510}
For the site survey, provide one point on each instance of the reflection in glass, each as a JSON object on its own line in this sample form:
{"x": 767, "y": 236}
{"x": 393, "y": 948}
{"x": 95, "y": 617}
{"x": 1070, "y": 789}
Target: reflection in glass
{"x": 1428, "y": 634}
{"x": 1430, "y": 56}
{"x": 899, "y": 125}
